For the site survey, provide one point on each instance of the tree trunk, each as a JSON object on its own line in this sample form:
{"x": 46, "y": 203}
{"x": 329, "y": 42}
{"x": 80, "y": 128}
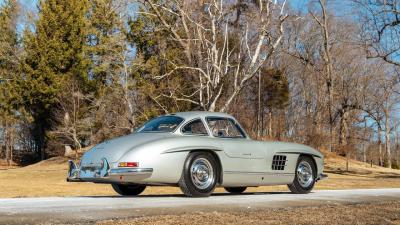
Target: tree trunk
{"x": 11, "y": 148}
{"x": 342, "y": 132}
{"x": 259, "y": 106}
{"x": 270, "y": 123}
{"x": 396, "y": 144}
{"x": 364, "y": 152}
{"x": 38, "y": 133}
{"x": 131, "y": 116}
{"x": 380, "y": 146}
{"x": 328, "y": 66}
{"x": 77, "y": 143}
{"x": 263, "y": 122}
{"x": 387, "y": 139}
{"x": 343, "y": 138}
{"x": 7, "y": 141}
{"x": 363, "y": 145}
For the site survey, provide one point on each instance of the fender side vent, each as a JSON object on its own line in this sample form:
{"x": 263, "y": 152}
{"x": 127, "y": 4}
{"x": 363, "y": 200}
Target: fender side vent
{"x": 279, "y": 162}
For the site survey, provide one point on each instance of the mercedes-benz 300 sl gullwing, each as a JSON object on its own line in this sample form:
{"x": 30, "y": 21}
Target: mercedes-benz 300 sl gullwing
{"x": 197, "y": 151}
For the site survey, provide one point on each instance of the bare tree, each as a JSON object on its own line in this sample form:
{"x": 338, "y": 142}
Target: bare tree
{"x": 380, "y": 108}
{"x": 381, "y": 23}
{"x": 388, "y": 102}
{"x": 73, "y": 124}
{"x": 216, "y": 52}
{"x": 324, "y": 26}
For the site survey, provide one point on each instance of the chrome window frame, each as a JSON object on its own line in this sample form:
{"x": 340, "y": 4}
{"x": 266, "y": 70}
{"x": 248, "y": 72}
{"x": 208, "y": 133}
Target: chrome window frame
{"x": 235, "y": 123}
{"x": 157, "y": 132}
{"x": 194, "y": 119}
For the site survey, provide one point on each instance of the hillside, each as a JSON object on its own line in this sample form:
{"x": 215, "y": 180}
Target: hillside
{"x": 47, "y": 178}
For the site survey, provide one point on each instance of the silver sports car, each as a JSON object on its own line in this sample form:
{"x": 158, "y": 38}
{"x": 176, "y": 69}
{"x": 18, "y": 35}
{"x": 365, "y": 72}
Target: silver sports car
{"x": 197, "y": 151}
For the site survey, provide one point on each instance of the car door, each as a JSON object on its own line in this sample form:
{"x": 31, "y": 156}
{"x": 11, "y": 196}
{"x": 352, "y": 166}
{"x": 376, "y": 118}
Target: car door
{"x": 233, "y": 139}
{"x": 244, "y": 159}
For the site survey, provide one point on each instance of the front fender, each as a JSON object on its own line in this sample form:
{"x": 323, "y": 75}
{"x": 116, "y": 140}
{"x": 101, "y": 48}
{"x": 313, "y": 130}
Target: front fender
{"x": 299, "y": 149}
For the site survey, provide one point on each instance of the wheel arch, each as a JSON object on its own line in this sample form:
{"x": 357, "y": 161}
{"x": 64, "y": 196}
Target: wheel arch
{"x": 311, "y": 156}
{"x": 215, "y": 155}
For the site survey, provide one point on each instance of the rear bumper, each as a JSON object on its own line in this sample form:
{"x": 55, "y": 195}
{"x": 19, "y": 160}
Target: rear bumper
{"x": 102, "y": 173}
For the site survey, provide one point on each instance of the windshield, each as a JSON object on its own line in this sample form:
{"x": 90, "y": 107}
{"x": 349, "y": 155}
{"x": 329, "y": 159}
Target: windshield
{"x": 161, "y": 124}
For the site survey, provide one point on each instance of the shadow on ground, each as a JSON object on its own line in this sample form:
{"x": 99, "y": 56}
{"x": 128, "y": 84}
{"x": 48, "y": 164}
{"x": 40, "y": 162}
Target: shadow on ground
{"x": 183, "y": 196}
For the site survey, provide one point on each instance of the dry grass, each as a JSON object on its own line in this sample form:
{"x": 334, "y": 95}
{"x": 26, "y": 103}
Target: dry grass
{"x": 47, "y": 178}
{"x": 3, "y": 165}
{"x": 360, "y": 175}
{"x": 376, "y": 213}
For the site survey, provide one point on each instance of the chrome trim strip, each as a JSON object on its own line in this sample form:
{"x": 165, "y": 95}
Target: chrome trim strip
{"x": 191, "y": 148}
{"x": 189, "y": 121}
{"x": 257, "y": 173}
{"x": 235, "y": 122}
{"x": 170, "y": 115}
{"x": 91, "y": 166}
{"x": 299, "y": 153}
{"x": 130, "y": 171}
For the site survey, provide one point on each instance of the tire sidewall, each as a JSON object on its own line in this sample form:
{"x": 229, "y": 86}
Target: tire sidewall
{"x": 128, "y": 190}
{"x": 235, "y": 190}
{"x": 313, "y": 167}
{"x": 187, "y": 176}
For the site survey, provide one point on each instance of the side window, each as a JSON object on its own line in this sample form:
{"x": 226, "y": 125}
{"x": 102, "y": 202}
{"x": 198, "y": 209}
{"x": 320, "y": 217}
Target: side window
{"x": 195, "y": 127}
{"x": 223, "y": 127}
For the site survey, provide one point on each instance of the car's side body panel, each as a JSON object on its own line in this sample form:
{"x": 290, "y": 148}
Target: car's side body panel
{"x": 244, "y": 162}
{"x": 167, "y": 156}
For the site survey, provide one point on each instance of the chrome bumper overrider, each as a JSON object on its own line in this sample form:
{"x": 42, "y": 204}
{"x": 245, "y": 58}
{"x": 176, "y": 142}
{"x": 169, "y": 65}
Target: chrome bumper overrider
{"x": 102, "y": 173}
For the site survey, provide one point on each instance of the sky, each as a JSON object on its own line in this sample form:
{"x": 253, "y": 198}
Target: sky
{"x": 341, "y": 7}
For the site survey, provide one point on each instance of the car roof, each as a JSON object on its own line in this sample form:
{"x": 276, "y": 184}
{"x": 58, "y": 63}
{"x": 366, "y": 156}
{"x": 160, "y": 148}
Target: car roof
{"x": 202, "y": 114}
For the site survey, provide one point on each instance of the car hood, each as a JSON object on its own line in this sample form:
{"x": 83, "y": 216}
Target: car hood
{"x": 112, "y": 150}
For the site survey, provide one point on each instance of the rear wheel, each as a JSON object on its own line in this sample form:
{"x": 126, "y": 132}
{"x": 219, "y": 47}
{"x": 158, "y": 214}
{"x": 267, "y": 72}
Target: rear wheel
{"x": 235, "y": 190}
{"x": 305, "y": 176}
{"x": 128, "y": 190}
{"x": 200, "y": 175}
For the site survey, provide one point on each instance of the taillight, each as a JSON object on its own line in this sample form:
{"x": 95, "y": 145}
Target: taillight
{"x": 128, "y": 164}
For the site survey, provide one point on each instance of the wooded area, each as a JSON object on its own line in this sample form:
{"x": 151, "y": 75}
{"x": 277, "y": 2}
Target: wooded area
{"x": 79, "y": 72}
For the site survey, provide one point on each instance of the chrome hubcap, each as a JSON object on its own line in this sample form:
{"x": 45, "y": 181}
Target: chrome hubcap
{"x": 305, "y": 174}
{"x": 202, "y": 173}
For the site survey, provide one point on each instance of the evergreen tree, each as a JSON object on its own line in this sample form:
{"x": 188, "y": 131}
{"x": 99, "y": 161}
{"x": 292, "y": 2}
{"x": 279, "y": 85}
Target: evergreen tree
{"x": 55, "y": 56}
{"x": 156, "y": 55}
{"x": 8, "y": 72}
{"x": 8, "y": 42}
{"x": 107, "y": 42}
{"x": 112, "y": 58}
{"x": 8, "y": 38}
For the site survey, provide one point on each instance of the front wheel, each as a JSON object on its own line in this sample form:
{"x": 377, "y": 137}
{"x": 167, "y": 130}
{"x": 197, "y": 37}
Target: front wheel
{"x": 305, "y": 177}
{"x": 200, "y": 175}
{"x": 235, "y": 190}
{"x": 128, "y": 190}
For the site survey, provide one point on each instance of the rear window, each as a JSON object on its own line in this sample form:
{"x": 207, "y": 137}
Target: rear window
{"x": 161, "y": 124}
